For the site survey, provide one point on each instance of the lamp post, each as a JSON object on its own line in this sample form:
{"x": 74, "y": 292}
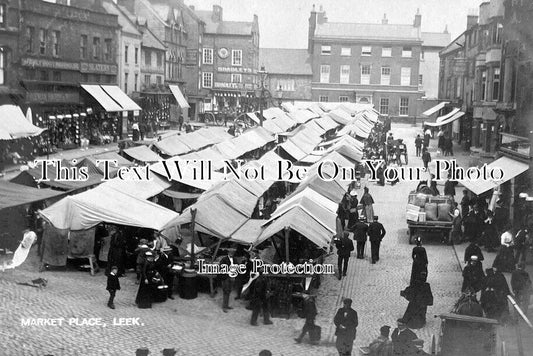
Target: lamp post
{"x": 262, "y": 76}
{"x": 279, "y": 94}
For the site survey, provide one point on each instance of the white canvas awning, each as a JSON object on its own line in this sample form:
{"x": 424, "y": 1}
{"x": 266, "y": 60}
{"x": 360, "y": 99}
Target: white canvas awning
{"x": 182, "y": 102}
{"x": 102, "y": 98}
{"x": 449, "y": 120}
{"x": 119, "y": 96}
{"x": 434, "y": 109}
{"x": 13, "y": 124}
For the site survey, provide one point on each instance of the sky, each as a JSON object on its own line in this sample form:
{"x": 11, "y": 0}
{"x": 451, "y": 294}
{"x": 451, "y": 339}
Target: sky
{"x": 284, "y": 23}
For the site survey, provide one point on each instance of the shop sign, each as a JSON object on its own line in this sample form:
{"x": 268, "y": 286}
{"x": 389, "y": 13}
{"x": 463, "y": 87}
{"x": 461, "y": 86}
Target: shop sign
{"x": 226, "y": 85}
{"x": 235, "y": 70}
{"x": 46, "y": 63}
{"x": 51, "y": 97}
{"x": 460, "y": 67}
{"x": 98, "y": 68}
{"x": 191, "y": 57}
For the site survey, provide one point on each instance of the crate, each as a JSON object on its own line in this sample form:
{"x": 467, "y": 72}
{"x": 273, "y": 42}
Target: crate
{"x": 422, "y": 217}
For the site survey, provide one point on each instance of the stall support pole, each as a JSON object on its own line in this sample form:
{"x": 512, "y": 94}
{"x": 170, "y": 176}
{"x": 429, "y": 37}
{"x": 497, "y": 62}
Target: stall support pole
{"x": 287, "y": 245}
{"x": 193, "y": 218}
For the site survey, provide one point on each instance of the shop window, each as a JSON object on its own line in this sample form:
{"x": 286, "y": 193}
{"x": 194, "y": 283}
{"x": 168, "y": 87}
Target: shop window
{"x": 405, "y": 76}
{"x": 107, "y": 49}
{"x": 496, "y": 84}
{"x": 56, "y": 76}
{"x": 96, "y": 47}
{"x": 407, "y": 52}
{"x": 385, "y": 75}
{"x": 84, "y": 77}
{"x": 208, "y": 56}
{"x": 346, "y": 51}
{"x": 386, "y": 52}
{"x": 365, "y": 73}
{"x": 286, "y": 84}
{"x": 236, "y": 57}
{"x": 30, "y": 73}
{"x": 96, "y": 78}
{"x": 325, "y": 50}
{"x": 147, "y": 79}
{"x": 345, "y": 74}
{"x": 158, "y": 80}
{"x": 366, "y": 51}
{"x": 43, "y": 75}
{"x": 236, "y": 78}
{"x": 384, "y": 106}
{"x": 323, "y": 98}
{"x": 207, "y": 79}
{"x": 30, "y": 37}
{"x": 404, "y": 106}
{"x": 324, "y": 73}
{"x": 42, "y": 41}
{"x": 483, "y": 85}
{"x": 420, "y": 79}
{"x": 343, "y": 99}
{"x": 83, "y": 46}
{"x": 56, "y": 36}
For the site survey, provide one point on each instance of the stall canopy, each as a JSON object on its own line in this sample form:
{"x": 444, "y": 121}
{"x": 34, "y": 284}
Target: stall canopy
{"x": 13, "y": 124}
{"x": 142, "y": 154}
{"x": 179, "y": 96}
{"x": 15, "y": 194}
{"x": 234, "y": 195}
{"x": 105, "y": 204}
{"x": 249, "y": 232}
{"x": 272, "y": 113}
{"x": 140, "y": 189}
{"x": 271, "y": 126}
{"x": 450, "y": 119}
{"x": 109, "y": 103}
{"x": 253, "y": 117}
{"x": 510, "y": 167}
{"x": 434, "y": 109}
{"x": 172, "y": 146}
{"x": 187, "y": 177}
{"x": 341, "y": 116}
{"x": 119, "y": 96}
{"x": 34, "y": 178}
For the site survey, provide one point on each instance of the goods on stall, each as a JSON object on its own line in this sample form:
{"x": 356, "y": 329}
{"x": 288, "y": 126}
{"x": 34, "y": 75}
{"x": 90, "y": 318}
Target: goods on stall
{"x": 431, "y": 211}
{"x": 444, "y": 212}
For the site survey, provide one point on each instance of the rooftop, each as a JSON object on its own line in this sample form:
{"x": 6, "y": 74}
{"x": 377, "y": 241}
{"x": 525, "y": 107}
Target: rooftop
{"x": 436, "y": 39}
{"x": 367, "y": 31}
{"x": 224, "y": 27}
{"x": 285, "y": 61}
{"x": 454, "y": 45}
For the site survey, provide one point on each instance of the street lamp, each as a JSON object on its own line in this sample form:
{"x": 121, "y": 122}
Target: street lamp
{"x": 279, "y": 94}
{"x": 262, "y": 76}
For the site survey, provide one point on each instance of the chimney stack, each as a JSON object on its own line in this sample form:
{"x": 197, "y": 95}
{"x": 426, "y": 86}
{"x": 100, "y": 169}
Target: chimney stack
{"x": 471, "y": 19}
{"x": 321, "y": 16}
{"x": 384, "y": 20}
{"x": 446, "y": 29}
{"x": 311, "y": 30}
{"x": 217, "y": 13}
{"x": 418, "y": 19}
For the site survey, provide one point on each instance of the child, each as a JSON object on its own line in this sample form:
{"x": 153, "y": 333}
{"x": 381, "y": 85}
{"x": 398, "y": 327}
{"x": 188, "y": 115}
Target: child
{"x": 113, "y": 285}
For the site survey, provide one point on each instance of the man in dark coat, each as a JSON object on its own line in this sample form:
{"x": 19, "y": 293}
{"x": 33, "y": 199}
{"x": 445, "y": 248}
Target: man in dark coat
{"x": 426, "y": 157}
{"x": 494, "y": 295}
{"x": 227, "y": 281}
{"x": 465, "y": 203}
{"x": 310, "y": 313}
{"x": 344, "y": 249}
{"x": 260, "y": 294}
{"x": 359, "y": 233}
{"x": 473, "y": 276}
{"x": 353, "y": 215}
{"x": 344, "y": 209}
{"x": 164, "y": 267}
{"x": 113, "y": 284}
{"x": 520, "y": 244}
{"x": 346, "y": 328}
{"x": 522, "y": 287}
{"x": 449, "y": 188}
{"x": 474, "y": 250}
{"x": 403, "y": 340}
{"x": 376, "y": 233}
{"x": 418, "y": 145}
{"x": 420, "y": 261}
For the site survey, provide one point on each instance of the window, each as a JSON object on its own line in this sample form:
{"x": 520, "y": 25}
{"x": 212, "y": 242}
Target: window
{"x": 458, "y": 87}
{"x": 365, "y": 74}
{"x": 136, "y": 55}
{"x": 483, "y": 85}
{"x": 286, "y": 84}
{"x": 56, "y": 35}
{"x": 324, "y": 73}
{"x": 386, "y": 52}
{"x": 56, "y": 76}
{"x": 323, "y": 98}
{"x": 405, "y": 76}
{"x": 136, "y": 78}
{"x": 407, "y": 52}
{"x": 422, "y": 54}
{"x": 108, "y": 49}
{"x": 158, "y": 80}
{"x": 385, "y": 75}
{"x": 148, "y": 58}
{"x": 384, "y": 106}
{"x": 208, "y": 55}
{"x": 42, "y": 41}
{"x": 30, "y": 34}
{"x": 326, "y": 50}
{"x": 43, "y": 75}
{"x": 147, "y": 79}
{"x": 126, "y": 54}
{"x": 496, "y": 84}
{"x": 404, "y": 106}
{"x": 3, "y": 10}
{"x": 159, "y": 57}
{"x": 96, "y": 47}
{"x": 497, "y": 38}
{"x": 366, "y": 51}
{"x": 420, "y": 79}
{"x": 343, "y": 99}
{"x": 345, "y": 74}
{"x": 126, "y": 82}
{"x": 83, "y": 46}
{"x": 236, "y": 78}
{"x": 346, "y": 51}
{"x": 2, "y": 67}
{"x": 207, "y": 79}
{"x": 236, "y": 57}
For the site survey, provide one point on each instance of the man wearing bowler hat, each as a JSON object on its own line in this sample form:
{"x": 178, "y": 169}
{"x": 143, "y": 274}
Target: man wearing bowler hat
{"x": 346, "y": 322}
{"x": 376, "y": 233}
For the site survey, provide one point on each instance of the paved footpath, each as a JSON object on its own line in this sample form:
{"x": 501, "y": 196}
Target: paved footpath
{"x": 199, "y": 327}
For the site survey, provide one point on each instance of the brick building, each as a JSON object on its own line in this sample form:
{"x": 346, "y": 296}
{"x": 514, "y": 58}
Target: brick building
{"x": 229, "y": 61}
{"x": 366, "y": 63}
{"x": 10, "y": 91}
{"x": 289, "y": 74}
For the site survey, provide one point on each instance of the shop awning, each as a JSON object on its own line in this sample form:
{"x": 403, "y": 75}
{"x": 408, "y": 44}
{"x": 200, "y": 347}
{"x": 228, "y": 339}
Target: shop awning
{"x": 15, "y": 194}
{"x": 229, "y": 150}
{"x": 510, "y": 167}
{"x": 272, "y": 113}
{"x": 448, "y": 115}
{"x": 327, "y": 123}
{"x": 329, "y": 189}
{"x": 434, "y": 109}
{"x": 254, "y": 117}
{"x": 450, "y": 119}
{"x": 107, "y": 102}
{"x": 142, "y": 154}
{"x": 13, "y": 124}
{"x": 179, "y": 96}
{"x": 119, "y": 96}
{"x": 214, "y": 134}
{"x": 187, "y": 175}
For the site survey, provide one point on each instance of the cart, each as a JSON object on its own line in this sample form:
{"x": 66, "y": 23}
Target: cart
{"x": 417, "y": 223}
{"x": 417, "y": 228}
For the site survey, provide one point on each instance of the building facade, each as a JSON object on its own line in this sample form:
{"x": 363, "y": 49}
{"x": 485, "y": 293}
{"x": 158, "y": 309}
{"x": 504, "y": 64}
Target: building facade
{"x": 10, "y": 90}
{"x": 367, "y": 63}
{"x": 428, "y": 80}
{"x": 289, "y": 74}
{"x": 229, "y": 62}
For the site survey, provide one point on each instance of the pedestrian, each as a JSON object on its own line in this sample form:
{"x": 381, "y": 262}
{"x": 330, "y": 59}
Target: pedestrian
{"x": 474, "y": 250}
{"x": 489, "y": 299}
{"x": 403, "y": 340}
{"x": 498, "y": 283}
{"x": 418, "y": 145}
{"x": 490, "y": 233}
{"x": 457, "y": 232}
{"x": 344, "y": 249}
{"x": 426, "y": 157}
{"x": 381, "y": 346}
{"x": 440, "y": 143}
{"x": 344, "y": 209}
{"x": 420, "y": 261}
{"x": 473, "y": 277}
{"x": 180, "y": 122}
{"x": 504, "y": 260}
{"x": 376, "y": 233}
{"x": 427, "y": 136}
{"x": 420, "y": 297}
{"x": 522, "y": 287}
{"x": 465, "y": 203}
{"x": 165, "y": 263}
{"x": 142, "y": 130}
{"x": 309, "y": 312}
{"x": 346, "y": 328}
{"x": 259, "y": 299}
{"x": 113, "y": 284}
{"x": 521, "y": 241}
{"x": 448, "y": 146}
{"x": 117, "y": 251}
{"x": 360, "y": 230}
{"x": 433, "y": 188}
{"x": 242, "y": 278}
{"x": 145, "y": 292}
{"x": 227, "y": 281}
{"x": 353, "y": 215}
{"x": 141, "y": 257}
{"x": 368, "y": 204}
{"x": 472, "y": 225}
{"x": 449, "y": 187}
{"x": 136, "y": 132}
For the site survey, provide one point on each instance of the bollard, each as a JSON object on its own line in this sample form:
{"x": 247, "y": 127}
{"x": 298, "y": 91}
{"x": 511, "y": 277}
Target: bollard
{"x": 433, "y": 347}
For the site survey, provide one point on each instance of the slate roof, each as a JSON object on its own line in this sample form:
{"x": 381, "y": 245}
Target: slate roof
{"x": 286, "y": 61}
{"x": 453, "y": 45}
{"x": 367, "y": 31}
{"x": 225, "y": 27}
{"x": 123, "y": 20}
{"x": 435, "y": 39}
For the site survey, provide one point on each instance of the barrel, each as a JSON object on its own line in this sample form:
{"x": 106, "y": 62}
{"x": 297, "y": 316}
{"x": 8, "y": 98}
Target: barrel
{"x": 187, "y": 284}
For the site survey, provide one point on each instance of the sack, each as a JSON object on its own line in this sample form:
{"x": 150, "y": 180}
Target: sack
{"x": 420, "y": 200}
{"x": 444, "y": 212}
{"x": 431, "y": 211}
{"x": 315, "y": 333}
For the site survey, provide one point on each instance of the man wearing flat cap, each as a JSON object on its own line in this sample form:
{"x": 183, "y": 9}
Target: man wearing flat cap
{"x": 346, "y": 322}
{"x": 376, "y": 233}
{"x": 403, "y": 340}
{"x": 344, "y": 249}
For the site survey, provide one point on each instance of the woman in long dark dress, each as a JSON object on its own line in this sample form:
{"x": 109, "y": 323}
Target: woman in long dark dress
{"x": 420, "y": 261}
{"x": 420, "y": 297}
{"x": 145, "y": 292}
{"x": 504, "y": 260}
{"x": 117, "y": 253}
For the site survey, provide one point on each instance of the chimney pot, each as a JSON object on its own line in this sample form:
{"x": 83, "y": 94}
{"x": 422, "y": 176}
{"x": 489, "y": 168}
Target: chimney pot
{"x": 384, "y": 21}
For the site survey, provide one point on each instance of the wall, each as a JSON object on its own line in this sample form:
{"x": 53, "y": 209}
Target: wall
{"x": 429, "y": 69}
{"x": 302, "y": 86}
